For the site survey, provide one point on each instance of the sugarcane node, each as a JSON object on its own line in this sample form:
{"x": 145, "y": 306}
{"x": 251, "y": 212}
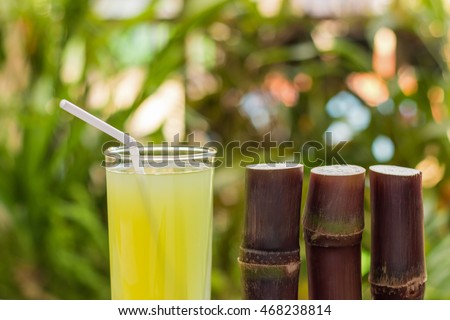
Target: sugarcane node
{"x": 270, "y": 282}
{"x": 413, "y": 290}
{"x": 271, "y": 271}
{"x": 268, "y": 257}
{"x": 330, "y": 240}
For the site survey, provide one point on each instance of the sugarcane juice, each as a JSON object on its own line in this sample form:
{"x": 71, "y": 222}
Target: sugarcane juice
{"x": 160, "y": 230}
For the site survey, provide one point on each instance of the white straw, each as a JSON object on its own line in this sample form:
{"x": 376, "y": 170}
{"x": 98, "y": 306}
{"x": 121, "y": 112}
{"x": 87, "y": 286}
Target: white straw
{"x": 106, "y": 128}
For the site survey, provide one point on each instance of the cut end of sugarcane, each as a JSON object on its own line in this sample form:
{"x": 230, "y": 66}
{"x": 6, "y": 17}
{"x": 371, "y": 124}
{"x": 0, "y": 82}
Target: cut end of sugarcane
{"x": 395, "y": 170}
{"x": 274, "y": 166}
{"x": 338, "y": 170}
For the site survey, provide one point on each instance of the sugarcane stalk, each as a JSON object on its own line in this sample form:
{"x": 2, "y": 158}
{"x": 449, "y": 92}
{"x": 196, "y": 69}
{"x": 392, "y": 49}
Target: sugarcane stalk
{"x": 397, "y": 251}
{"x": 333, "y": 225}
{"x": 270, "y": 254}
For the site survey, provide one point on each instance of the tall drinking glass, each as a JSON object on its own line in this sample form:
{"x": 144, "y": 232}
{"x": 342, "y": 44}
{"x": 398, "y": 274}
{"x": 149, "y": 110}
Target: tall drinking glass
{"x": 160, "y": 222}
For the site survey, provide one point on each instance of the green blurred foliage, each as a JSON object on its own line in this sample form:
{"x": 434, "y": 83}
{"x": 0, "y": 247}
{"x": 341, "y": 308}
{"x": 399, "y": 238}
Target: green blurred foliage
{"x": 53, "y": 231}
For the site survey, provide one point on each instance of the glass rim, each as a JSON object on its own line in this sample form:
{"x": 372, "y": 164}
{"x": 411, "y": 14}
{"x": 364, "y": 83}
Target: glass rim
{"x": 164, "y": 152}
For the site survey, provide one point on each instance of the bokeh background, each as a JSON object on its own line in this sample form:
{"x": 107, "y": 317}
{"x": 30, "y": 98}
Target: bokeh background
{"x": 373, "y": 72}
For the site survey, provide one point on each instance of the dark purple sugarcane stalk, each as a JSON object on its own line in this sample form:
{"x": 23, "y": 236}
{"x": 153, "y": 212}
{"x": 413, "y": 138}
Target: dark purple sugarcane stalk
{"x": 270, "y": 253}
{"x": 333, "y": 225}
{"x": 397, "y": 268}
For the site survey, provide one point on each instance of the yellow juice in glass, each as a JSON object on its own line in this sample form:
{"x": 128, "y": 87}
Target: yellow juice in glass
{"x": 160, "y": 231}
